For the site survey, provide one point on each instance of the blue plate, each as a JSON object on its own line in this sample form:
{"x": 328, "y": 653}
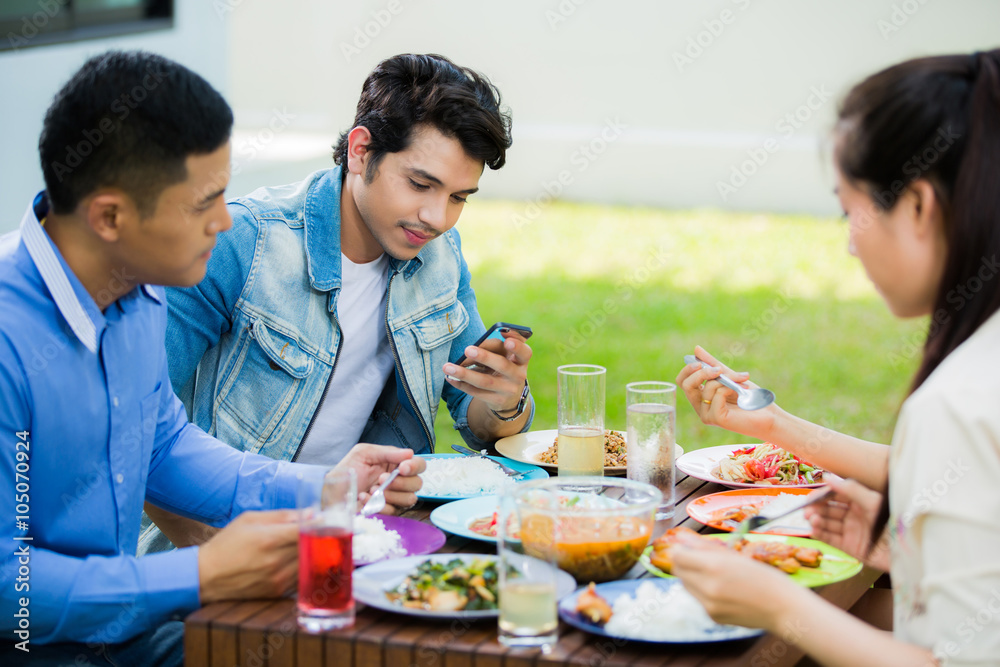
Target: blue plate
{"x": 613, "y": 589}
{"x": 530, "y": 472}
{"x": 455, "y": 517}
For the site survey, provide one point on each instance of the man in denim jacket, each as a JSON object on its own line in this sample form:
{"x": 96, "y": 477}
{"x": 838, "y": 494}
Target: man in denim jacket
{"x": 336, "y": 308}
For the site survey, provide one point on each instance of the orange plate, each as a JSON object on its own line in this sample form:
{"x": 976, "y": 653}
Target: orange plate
{"x": 708, "y": 508}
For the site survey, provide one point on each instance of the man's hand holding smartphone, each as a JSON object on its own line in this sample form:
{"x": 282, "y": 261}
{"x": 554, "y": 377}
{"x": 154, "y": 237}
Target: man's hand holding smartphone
{"x": 495, "y": 368}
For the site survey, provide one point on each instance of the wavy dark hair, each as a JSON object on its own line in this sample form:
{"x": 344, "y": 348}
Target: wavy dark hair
{"x": 408, "y": 90}
{"x": 128, "y": 119}
{"x": 935, "y": 118}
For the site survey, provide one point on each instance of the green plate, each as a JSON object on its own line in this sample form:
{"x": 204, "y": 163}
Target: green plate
{"x": 835, "y": 565}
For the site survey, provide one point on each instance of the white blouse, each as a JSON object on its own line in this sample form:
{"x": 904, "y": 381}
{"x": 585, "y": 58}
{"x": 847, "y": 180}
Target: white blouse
{"x": 945, "y": 497}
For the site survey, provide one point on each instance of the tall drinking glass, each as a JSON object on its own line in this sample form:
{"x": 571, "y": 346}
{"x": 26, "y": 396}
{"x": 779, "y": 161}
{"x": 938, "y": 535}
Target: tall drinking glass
{"x": 326, "y": 564}
{"x": 581, "y": 420}
{"x": 650, "y": 409}
{"x": 527, "y": 584}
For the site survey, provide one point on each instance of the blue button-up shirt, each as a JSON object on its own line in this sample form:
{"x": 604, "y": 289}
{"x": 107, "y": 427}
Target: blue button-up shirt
{"x": 89, "y": 429}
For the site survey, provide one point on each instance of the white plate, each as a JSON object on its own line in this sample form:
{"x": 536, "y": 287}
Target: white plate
{"x": 528, "y": 447}
{"x": 455, "y": 517}
{"x": 700, "y": 463}
{"x": 372, "y": 581}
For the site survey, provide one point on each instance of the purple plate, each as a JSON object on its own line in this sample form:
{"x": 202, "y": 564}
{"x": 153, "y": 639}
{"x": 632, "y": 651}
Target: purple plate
{"x": 415, "y": 537}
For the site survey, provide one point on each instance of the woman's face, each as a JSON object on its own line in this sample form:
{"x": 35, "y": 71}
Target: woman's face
{"x": 902, "y": 249}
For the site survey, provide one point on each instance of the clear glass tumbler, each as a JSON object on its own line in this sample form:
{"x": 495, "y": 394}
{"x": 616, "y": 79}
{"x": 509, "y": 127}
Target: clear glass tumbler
{"x": 581, "y": 420}
{"x": 650, "y": 413}
{"x": 527, "y": 584}
{"x": 326, "y": 563}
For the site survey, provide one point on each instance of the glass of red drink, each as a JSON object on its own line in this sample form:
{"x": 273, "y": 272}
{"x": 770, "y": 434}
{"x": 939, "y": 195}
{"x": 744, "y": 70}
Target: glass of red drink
{"x": 326, "y": 528}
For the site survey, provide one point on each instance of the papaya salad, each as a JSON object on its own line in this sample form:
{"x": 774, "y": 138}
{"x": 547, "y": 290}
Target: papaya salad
{"x": 767, "y": 464}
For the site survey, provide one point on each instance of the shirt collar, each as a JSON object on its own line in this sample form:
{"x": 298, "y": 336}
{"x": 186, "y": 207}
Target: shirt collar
{"x": 82, "y": 315}
{"x": 50, "y": 267}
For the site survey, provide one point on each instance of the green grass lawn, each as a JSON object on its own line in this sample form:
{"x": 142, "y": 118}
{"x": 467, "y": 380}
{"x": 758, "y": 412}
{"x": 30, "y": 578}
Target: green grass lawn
{"x": 635, "y": 290}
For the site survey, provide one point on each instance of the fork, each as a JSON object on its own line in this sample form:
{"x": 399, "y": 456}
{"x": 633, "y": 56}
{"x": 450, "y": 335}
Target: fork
{"x": 758, "y": 520}
{"x": 465, "y": 451}
{"x": 376, "y": 503}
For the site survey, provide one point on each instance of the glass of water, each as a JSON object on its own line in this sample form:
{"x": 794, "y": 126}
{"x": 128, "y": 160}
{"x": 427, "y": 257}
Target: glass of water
{"x": 650, "y": 409}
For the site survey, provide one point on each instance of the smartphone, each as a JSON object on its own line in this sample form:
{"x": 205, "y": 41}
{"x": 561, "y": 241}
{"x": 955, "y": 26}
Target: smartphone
{"x": 496, "y": 331}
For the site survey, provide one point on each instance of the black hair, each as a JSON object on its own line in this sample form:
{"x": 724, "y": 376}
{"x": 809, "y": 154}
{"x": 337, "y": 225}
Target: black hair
{"x": 129, "y": 120}
{"x": 410, "y": 90}
{"x": 936, "y": 118}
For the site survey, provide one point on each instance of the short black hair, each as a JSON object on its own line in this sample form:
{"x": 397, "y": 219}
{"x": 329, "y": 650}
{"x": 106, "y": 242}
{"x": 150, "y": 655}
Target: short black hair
{"x": 410, "y": 90}
{"x": 128, "y": 119}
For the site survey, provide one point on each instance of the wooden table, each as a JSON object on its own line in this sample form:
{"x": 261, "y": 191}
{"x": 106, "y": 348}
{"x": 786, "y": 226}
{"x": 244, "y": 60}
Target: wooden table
{"x": 263, "y": 633}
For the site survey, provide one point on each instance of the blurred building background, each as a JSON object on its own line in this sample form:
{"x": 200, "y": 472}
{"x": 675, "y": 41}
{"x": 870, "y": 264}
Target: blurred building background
{"x": 721, "y": 103}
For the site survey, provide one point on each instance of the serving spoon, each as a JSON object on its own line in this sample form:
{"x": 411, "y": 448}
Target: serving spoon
{"x": 749, "y": 399}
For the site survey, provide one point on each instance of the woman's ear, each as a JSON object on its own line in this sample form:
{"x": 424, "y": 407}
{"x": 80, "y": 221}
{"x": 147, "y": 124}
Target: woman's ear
{"x": 923, "y": 206}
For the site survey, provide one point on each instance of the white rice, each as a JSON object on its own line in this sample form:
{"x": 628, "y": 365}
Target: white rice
{"x": 660, "y": 615}
{"x": 796, "y": 520}
{"x": 373, "y": 541}
{"x": 464, "y": 476}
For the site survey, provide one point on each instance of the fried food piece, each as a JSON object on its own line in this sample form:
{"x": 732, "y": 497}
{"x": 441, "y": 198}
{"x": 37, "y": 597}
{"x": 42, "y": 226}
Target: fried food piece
{"x": 660, "y": 556}
{"x": 786, "y": 557}
{"x": 808, "y": 557}
{"x": 592, "y": 606}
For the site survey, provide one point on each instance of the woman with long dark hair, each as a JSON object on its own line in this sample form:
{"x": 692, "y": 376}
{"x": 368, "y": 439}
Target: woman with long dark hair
{"x": 917, "y": 154}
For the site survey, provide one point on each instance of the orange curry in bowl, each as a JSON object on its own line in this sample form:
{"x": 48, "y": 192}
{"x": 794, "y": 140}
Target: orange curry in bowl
{"x": 591, "y": 548}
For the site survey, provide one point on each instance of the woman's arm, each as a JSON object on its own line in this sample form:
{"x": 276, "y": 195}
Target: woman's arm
{"x": 736, "y": 589}
{"x": 841, "y": 454}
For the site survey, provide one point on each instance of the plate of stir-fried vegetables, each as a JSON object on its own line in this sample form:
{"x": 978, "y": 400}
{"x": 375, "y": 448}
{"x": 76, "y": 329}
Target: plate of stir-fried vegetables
{"x": 749, "y": 466}
{"x": 437, "y": 586}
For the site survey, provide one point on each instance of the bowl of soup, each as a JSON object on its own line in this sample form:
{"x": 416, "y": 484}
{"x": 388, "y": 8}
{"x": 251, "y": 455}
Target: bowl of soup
{"x": 597, "y": 527}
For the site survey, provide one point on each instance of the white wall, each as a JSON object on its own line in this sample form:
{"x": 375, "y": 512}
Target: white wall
{"x": 572, "y": 69}
{"x": 30, "y": 77}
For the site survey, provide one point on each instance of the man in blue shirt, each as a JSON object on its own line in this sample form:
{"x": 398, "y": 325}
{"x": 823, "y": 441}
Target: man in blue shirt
{"x": 135, "y": 153}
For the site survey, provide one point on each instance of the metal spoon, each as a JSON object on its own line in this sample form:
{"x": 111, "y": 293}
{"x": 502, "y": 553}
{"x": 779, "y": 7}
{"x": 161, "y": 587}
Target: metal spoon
{"x": 749, "y": 399}
{"x": 376, "y": 503}
{"x": 755, "y": 522}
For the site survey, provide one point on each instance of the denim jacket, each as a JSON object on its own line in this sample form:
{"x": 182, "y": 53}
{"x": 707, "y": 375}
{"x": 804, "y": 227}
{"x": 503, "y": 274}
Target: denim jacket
{"x": 252, "y": 347}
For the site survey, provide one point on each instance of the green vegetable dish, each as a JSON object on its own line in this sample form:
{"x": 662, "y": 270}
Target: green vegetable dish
{"x": 455, "y": 585}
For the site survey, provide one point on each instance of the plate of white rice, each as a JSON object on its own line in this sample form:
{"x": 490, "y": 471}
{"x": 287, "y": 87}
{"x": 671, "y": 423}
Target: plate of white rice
{"x": 383, "y": 537}
{"x": 454, "y": 476}
{"x": 659, "y": 611}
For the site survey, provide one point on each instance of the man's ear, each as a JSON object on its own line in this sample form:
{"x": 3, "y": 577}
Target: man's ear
{"x": 358, "y": 141}
{"x": 924, "y": 207}
{"x": 107, "y": 212}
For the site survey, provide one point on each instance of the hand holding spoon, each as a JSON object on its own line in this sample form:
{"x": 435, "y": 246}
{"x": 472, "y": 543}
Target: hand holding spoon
{"x": 749, "y": 399}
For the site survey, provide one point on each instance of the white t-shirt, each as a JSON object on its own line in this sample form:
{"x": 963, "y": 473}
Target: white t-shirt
{"x": 945, "y": 497}
{"x": 364, "y": 362}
